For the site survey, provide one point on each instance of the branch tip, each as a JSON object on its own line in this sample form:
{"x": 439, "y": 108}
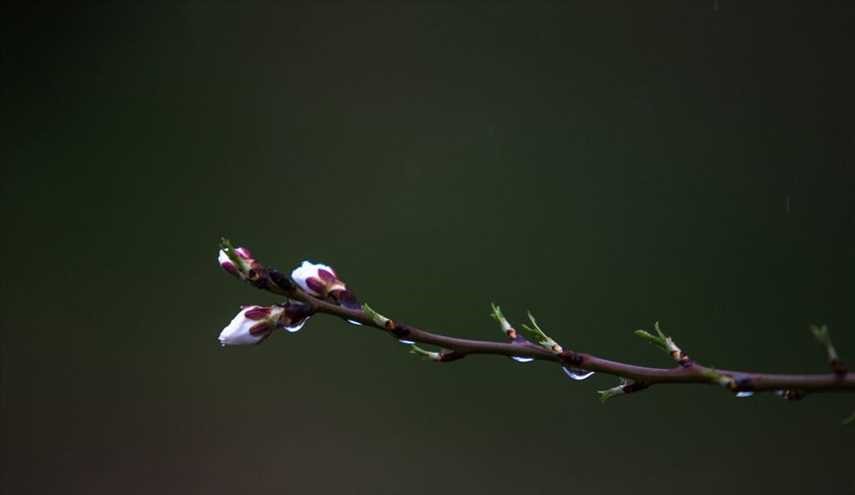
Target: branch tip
{"x": 540, "y": 336}
{"x": 433, "y": 356}
{"x": 665, "y": 343}
{"x": 612, "y": 392}
{"x": 823, "y": 336}
{"x": 626, "y": 386}
{"x": 497, "y": 315}
{"x": 376, "y": 317}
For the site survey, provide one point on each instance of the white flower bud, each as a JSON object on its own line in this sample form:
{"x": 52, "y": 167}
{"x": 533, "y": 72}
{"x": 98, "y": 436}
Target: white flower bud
{"x": 251, "y": 325}
{"x": 317, "y": 279}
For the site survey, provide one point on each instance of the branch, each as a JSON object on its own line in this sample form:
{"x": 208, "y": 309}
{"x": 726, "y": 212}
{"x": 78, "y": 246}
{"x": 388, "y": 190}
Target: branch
{"x": 316, "y": 289}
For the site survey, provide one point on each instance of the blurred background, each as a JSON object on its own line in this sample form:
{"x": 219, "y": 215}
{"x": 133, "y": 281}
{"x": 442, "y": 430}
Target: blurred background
{"x": 605, "y": 165}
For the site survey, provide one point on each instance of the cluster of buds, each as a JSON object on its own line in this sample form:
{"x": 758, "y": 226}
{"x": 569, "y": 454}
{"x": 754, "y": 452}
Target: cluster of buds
{"x": 253, "y": 324}
{"x": 321, "y": 281}
{"x": 239, "y": 262}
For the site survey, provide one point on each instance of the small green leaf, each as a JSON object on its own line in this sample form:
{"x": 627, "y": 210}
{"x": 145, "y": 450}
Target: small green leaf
{"x": 612, "y": 392}
{"x": 226, "y": 246}
{"x": 653, "y": 339}
{"x": 497, "y": 312}
{"x": 375, "y": 316}
{"x": 659, "y": 331}
{"x": 540, "y": 336}
{"x": 414, "y": 349}
{"x": 823, "y": 336}
{"x": 498, "y": 316}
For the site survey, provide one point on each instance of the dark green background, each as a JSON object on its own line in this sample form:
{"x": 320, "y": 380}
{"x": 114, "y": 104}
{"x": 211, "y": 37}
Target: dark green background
{"x": 605, "y": 166}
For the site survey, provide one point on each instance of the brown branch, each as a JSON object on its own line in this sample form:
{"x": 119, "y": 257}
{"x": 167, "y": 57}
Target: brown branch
{"x": 331, "y": 296}
{"x": 736, "y": 381}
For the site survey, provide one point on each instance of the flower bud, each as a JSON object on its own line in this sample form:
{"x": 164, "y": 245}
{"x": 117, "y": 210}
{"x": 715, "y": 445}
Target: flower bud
{"x": 226, "y": 263}
{"x": 321, "y": 281}
{"x": 238, "y": 261}
{"x": 317, "y": 279}
{"x": 251, "y": 325}
{"x": 255, "y": 323}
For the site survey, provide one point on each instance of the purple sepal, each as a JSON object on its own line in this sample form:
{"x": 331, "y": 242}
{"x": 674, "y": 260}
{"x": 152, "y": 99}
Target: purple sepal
{"x": 260, "y": 329}
{"x": 230, "y": 267}
{"x": 243, "y": 253}
{"x": 346, "y": 299}
{"x": 316, "y": 285}
{"x": 257, "y": 313}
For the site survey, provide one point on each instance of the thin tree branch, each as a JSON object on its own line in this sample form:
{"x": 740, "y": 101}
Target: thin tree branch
{"x": 316, "y": 289}
{"x": 742, "y": 381}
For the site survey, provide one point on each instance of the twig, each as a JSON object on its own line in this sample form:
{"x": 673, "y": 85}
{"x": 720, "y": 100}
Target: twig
{"x": 326, "y": 294}
{"x": 735, "y": 380}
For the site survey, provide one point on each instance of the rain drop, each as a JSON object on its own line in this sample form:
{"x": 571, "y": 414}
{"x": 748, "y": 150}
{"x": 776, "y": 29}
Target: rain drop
{"x": 297, "y": 327}
{"x": 744, "y": 393}
{"x": 576, "y": 374}
{"x": 354, "y": 322}
{"x": 407, "y": 342}
{"x": 521, "y": 359}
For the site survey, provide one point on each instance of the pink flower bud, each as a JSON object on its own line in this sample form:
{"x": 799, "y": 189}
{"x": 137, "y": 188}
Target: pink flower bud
{"x": 241, "y": 267}
{"x": 317, "y": 279}
{"x": 227, "y": 264}
{"x": 251, "y": 325}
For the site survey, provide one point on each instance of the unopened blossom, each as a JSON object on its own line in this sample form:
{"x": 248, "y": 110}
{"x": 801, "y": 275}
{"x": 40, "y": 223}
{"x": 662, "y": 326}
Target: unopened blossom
{"x": 239, "y": 265}
{"x": 317, "y": 279}
{"x": 251, "y": 325}
{"x": 321, "y": 281}
{"x": 255, "y": 323}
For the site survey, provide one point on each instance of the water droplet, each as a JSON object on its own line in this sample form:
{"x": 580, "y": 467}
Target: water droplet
{"x": 576, "y": 374}
{"x": 521, "y": 359}
{"x": 744, "y": 393}
{"x": 296, "y": 327}
{"x": 354, "y": 322}
{"x": 407, "y": 342}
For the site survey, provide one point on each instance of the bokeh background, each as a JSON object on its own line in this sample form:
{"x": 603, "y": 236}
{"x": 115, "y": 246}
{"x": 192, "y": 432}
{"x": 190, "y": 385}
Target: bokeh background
{"x": 605, "y": 164}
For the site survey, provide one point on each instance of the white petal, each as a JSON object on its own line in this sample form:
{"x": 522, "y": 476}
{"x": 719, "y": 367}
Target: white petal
{"x": 223, "y": 257}
{"x": 243, "y": 253}
{"x": 237, "y": 332}
{"x": 306, "y": 271}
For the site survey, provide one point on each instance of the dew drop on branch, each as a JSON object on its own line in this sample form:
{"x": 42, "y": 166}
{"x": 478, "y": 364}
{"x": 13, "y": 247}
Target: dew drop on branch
{"x": 297, "y": 326}
{"x": 576, "y": 374}
{"x": 407, "y": 342}
{"x": 354, "y": 322}
{"x": 521, "y": 359}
